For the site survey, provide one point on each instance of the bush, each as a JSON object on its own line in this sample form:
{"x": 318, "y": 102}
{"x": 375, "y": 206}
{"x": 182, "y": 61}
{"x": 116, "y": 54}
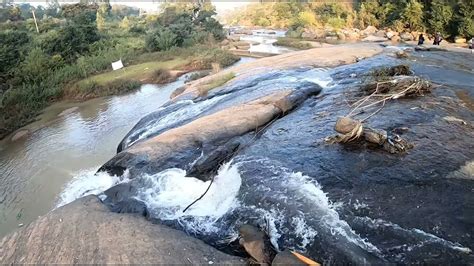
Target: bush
{"x": 197, "y": 75}
{"x": 464, "y": 22}
{"x": 333, "y": 13}
{"x": 292, "y": 42}
{"x": 12, "y": 49}
{"x": 306, "y": 19}
{"x": 161, "y": 39}
{"x": 412, "y": 15}
{"x": 336, "y": 23}
{"x": 162, "y": 76}
{"x": 440, "y": 17}
{"x": 91, "y": 89}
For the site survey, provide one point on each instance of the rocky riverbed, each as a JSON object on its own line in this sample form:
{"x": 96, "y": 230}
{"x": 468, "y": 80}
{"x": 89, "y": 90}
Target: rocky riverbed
{"x": 254, "y": 147}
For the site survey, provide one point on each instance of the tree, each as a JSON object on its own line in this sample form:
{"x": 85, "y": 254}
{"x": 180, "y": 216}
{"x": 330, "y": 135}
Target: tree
{"x": 412, "y": 15}
{"x": 440, "y": 17}
{"x": 306, "y": 19}
{"x": 79, "y": 32}
{"x": 368, "y": 14}
{"x": 161, "y": 39}
{"x": 15, "y": 14}
{"x": 464, "y": 19}
{"x": 102, "y": 13}
{"x": 12, "y": 50}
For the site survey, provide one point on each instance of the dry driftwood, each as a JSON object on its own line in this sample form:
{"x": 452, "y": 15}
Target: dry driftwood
{"x": 351, "y": 130}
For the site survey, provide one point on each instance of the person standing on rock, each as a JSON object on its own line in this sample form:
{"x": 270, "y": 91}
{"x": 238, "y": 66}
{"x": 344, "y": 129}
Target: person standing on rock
{"x": 437, "y": 39}
{"x": 421, "y": 39}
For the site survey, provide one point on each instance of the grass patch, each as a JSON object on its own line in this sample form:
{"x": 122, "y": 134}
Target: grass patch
{"x": 216, "y": 82}
{"x": 293, "y": 43}
{"x": 92, "y": 89}
{"x": 140, "y": 72}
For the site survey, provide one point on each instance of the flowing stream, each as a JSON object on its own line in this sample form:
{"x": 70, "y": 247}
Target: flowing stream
{"x": 306, "y": 195}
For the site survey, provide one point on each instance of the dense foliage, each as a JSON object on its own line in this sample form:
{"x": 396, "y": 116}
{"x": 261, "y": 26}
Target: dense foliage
{"x": 79, "y": 40}
{"x": 450, "y": 17}
{"x": 184, "y": 25}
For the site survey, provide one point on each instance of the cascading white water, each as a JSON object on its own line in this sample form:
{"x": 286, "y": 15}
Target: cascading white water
{"x": 88, "y": 182}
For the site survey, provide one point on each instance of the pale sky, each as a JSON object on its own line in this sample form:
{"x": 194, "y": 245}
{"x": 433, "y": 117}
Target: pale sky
{"x": 150, "y": 5}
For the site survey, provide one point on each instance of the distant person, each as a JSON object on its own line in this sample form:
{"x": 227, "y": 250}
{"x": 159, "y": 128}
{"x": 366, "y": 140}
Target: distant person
{"x": 471, "y": 43}
{"x": 437, "y": 39}
{"x": 421, "y": 39}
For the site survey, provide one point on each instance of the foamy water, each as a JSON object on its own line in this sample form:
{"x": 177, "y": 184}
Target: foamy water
{"x": 87, "y": 182}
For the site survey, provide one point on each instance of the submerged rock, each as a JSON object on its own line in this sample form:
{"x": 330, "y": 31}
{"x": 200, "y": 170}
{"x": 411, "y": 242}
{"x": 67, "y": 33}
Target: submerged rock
{"x": 256, "y": 243}
{"x": 85, "y": 232}
{"x": 287, "y": 258}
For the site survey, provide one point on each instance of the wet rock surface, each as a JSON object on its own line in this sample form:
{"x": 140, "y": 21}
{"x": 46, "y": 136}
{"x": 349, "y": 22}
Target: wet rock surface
{"x": 98, "y": 236}
{"x": 253, "y": 152}
{"x": 333, "y": 203}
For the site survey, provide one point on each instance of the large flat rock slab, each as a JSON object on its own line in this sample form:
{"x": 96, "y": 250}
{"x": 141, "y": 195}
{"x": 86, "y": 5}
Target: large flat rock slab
{"x": 331, "y": 56}
{"x": 85, "y": 231}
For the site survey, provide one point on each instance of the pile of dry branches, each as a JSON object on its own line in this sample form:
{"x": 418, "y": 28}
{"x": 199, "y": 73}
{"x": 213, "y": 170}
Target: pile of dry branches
{"x": 386, "y": 84}
{"x": 352, "y": 130}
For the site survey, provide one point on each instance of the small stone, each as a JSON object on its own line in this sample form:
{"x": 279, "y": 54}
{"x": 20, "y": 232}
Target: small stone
{"x": 20, "y": 134}
{"x": 211, "y": 262}
{"x": 345, "y": 125}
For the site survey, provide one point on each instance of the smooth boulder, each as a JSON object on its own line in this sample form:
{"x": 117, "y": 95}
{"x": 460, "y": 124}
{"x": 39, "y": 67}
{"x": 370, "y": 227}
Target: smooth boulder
{"x": 86, "y": 232}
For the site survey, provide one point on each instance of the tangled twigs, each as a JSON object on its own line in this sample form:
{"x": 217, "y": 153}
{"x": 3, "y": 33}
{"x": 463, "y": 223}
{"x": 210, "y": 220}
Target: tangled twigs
{"x": 399, "y": 87}
{"x": 386, "y": 84}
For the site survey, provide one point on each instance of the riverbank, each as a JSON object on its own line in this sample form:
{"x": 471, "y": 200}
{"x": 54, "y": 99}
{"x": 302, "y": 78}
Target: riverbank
{"x": 141, "y": 70}
{"x": 20, "y": 110}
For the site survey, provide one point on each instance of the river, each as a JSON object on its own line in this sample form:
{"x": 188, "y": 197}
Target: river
{"x": 70, "y": 141}
{"x": 343, "y": 206}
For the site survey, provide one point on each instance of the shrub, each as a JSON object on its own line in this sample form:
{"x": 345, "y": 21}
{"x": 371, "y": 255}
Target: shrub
{"x": 196, "y": 75}
{"x": 161, "y": 39}
{"x": 306, "y": 19}
{"x": 91, "y": 89}
{"x": 440, "y": 16}
{"x": 162, "y": 76}
{"x": 412, "y": 15}
{"x": 12, "y": 49}
{"x": 291, "y": 42}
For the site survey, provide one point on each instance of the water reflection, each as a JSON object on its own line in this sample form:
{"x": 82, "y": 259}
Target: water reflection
{"x": 34, "y": 169}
